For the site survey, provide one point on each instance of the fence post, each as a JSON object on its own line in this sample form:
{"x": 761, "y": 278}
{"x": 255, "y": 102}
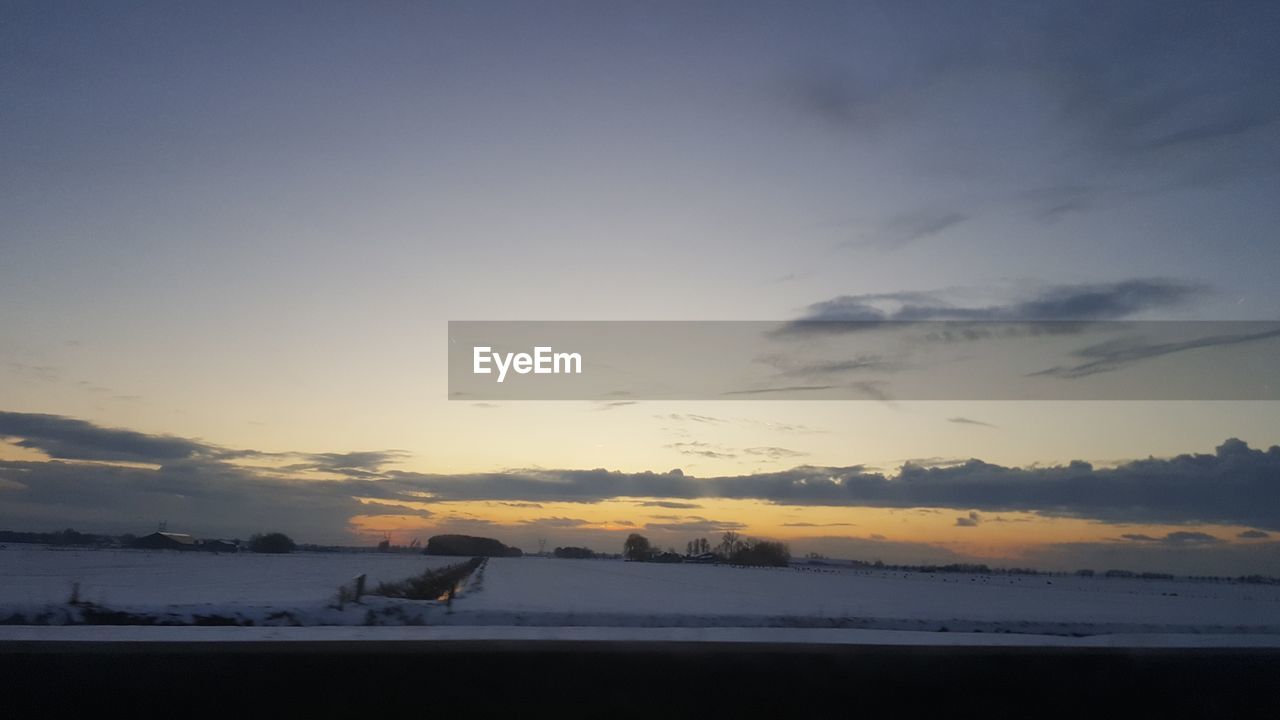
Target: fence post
{"x": 359, "y": 586}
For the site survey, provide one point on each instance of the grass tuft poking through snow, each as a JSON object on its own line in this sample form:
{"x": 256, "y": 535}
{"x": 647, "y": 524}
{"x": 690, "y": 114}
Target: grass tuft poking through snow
{"x": 434, "y": 584}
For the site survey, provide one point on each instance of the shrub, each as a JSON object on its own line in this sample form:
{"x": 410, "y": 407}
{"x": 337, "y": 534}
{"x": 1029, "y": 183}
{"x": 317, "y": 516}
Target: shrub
{"x": 272, "y": 543}
{"x": 431, "y": 585}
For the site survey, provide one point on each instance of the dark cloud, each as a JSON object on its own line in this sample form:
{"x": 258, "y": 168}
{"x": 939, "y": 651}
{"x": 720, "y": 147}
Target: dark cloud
{"x": 367, "y": 464}
{"x": 973, "y": 519}
{"x": 71, "y": 439}
{"x": 1253, "y": 535}
{"x": 1236, "y": 485}
{"x": 203, "y": 497}
{"x": 1174, "y": 538}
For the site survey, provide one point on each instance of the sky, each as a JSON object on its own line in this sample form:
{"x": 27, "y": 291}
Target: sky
{"x": 232, "y": 236}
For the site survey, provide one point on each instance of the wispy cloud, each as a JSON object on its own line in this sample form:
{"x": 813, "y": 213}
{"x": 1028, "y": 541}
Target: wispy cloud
{"x": 908, "y": 228}
{"x": 969, "y": 421}
{"x": 1123, "y": 352}
{"x": 1094, "y": 301}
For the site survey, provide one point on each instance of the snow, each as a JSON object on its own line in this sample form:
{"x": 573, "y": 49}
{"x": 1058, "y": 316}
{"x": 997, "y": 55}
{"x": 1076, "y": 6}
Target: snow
{"x": 610, "y": 592}
{"x": 517, "y": 598}
{"x": 31, "y": 575}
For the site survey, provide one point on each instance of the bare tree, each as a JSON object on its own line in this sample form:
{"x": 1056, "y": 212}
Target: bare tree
{"x": 730, "y": 541}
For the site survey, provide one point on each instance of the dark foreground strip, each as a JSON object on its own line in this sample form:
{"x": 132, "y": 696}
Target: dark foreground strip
{"x": 632, "y": 679}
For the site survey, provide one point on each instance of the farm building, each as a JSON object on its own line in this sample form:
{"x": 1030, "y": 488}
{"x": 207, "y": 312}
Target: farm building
{"x": 167, "y": 541}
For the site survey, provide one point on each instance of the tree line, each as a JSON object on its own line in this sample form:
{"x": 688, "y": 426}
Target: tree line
{"x": 733, "y": 548}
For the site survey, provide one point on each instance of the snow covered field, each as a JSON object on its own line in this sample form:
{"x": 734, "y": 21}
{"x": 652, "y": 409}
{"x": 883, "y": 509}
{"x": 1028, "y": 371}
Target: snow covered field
{"x": 510, "y": 593}
{"x": 538, "y": 591}
{"x": 32, "y": 575}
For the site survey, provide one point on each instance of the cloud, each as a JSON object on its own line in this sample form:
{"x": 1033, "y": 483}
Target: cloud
{"x": 968, "y": 421}
{"x": 44, "y": 373}
{"x": 1235, "y": 485}
{"x": 809, "y": 524}
{"x": 785, "y": 389}
{"x": 1098, "y": 301}
{"x": 973, "y": 519}
{"x": 709, "y": 420}
{"x": 670, "y": 505}
{"x": 909, "y": 227}
{"x": 614, "y": 404}
{"x": 1253, "y": 535}
{"x": 702, "y": 449}
{"x": 71, "y": 439}
{"x": 1119, "y": 97}
{"x": 773, "y": 453}
{"x": 557, "y": 522}
{"x": 863, "y": 362}
{"x": 696, "y": 525}
{"x": 1123, "y": 352}
{"x": 1174, "y": 538}
{"x": 367, "y": 464}
{"x": 692, "y": 417}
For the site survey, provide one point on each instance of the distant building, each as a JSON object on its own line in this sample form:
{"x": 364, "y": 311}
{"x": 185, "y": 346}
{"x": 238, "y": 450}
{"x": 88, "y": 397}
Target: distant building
{"x": 167, "y": 541}
{"x": 221, "y": 546}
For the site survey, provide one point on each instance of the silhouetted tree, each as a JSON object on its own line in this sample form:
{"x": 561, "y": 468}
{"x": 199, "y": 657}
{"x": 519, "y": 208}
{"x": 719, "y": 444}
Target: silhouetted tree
{"x": 637, "y": 547}
{"x": 760, "y": 552}
{"x": 272, "y": 543}
{"x": 730, "y": 542}
{"x": 575, "y": 553}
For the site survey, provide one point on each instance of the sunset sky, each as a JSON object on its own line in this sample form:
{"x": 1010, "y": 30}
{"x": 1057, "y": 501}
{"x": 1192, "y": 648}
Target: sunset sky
{"x": 232, "y": 236}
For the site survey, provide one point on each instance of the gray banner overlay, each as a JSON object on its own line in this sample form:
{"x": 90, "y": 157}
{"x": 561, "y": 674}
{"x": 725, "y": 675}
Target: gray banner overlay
{"x": 607, "y": 361}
